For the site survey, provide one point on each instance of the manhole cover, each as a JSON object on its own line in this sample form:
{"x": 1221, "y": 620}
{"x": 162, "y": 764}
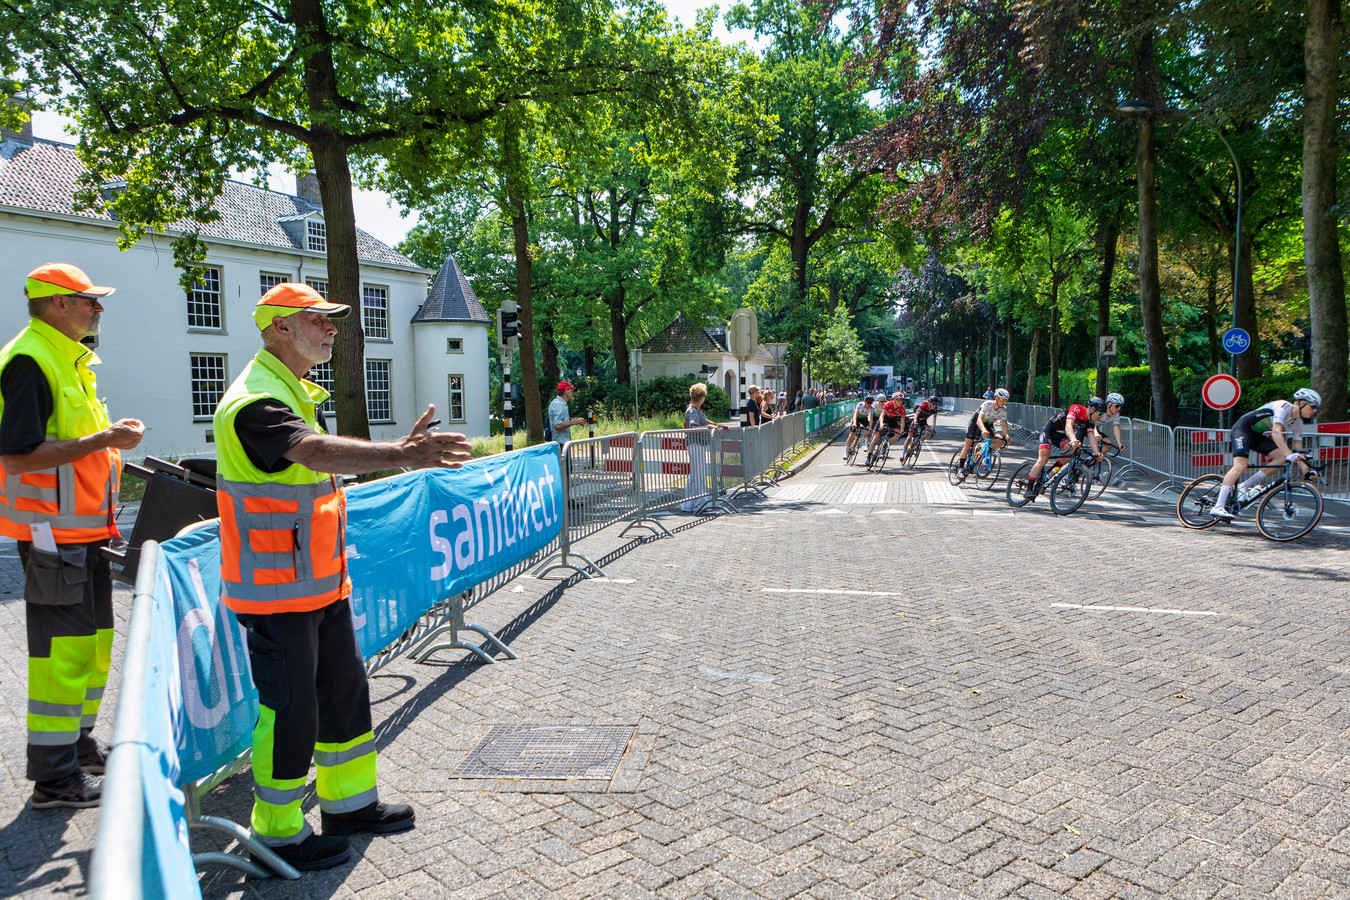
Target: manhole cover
{"x": 547, "y": 751}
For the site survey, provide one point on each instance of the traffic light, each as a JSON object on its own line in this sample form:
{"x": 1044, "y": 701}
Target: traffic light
{"x": 508, "y": 326}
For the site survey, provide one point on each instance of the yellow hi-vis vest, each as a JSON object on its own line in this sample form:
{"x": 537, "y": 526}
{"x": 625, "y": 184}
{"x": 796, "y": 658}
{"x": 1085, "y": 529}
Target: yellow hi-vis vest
{"x": 283, "y": 534}
{"x": 78, "y": 499}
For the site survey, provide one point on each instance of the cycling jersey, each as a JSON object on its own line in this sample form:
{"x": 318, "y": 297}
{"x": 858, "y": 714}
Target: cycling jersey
{"x": 1109, "y": 419}
{"x": 923, "y": 412}
{"x": 893, "y": 409}
{"x": 990, "y": 412}
{"x": 1055, "y": 432}
{"x": 1281, "y": 412}
{"x": 862, "y": 412}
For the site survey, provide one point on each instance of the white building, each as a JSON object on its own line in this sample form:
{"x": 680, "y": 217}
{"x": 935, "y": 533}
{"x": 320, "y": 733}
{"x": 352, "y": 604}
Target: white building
{"x": 168, "y": 355}
{"x": 682, "y": 349}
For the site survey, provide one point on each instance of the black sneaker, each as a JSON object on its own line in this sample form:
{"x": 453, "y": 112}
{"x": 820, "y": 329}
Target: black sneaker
{"x": 77, "y": 791}
{"x": 318, "y": 851}
{"x": 377, "y": 818}
{"x": 95, "y": 761}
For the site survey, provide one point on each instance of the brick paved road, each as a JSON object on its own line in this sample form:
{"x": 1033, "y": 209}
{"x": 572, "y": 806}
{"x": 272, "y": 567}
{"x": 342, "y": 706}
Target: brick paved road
{"x": 950, "y": 727}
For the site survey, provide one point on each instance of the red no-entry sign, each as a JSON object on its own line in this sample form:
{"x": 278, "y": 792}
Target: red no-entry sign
{"x": 1221, "y": 391}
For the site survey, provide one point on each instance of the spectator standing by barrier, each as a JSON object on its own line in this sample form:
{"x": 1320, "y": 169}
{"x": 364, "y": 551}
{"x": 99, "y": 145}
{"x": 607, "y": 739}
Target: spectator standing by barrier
{"x": 810, "y": 400}
{"x": 284, "y": 575}
{"x": 55, "y": 434}
{"x": 559, "y": 416}
{"x": 696, "y": 444}
{"x": 752, "y": 412}
{"x": 767, "y": 408}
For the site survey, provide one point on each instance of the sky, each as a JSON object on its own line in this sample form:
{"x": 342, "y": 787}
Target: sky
{"x": 376, "y": 213}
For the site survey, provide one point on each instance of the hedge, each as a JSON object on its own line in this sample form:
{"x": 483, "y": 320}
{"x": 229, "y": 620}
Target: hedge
{"x": 667, "y": 394}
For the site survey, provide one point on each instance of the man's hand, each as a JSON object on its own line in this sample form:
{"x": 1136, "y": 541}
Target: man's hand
{"x": 124, "y": 434}
{"x": 425, "y": 449}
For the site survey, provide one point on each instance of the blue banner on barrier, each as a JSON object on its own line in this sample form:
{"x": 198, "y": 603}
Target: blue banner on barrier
{"x": 412, "y": 541}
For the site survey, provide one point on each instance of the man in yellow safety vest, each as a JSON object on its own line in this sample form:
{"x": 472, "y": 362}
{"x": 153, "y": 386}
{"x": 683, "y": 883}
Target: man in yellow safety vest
{"x": 284, "y": 574}
{"x": 60, "y": 460}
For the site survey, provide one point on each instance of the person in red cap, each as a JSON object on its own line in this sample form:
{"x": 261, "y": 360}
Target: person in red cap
{"x": 284, "y": 575}
{"x": 60, "y": 461}
{"x": 559, "y": 416}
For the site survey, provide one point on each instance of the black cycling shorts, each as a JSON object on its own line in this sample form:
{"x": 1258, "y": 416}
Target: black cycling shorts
{"x": 895, "y": 423}
{"x": 1054, "y": 439}
{"x": 1246, "y": 441}
{"x": 973, "y": 432}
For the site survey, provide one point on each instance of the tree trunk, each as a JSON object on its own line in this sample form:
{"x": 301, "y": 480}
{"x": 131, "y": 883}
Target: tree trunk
{"x": 1321, "y": 251}
{"x": 1248, "y": 363}
{"x": 331, "y": 167}
{"x": 1110, "y": 237}
{"x": 618, "y": 336}
{"x": 588, "y": 361}
{"x": 1150, "y": 291}
{"x": 549, "y": 354}
{"x": 1031, "y": 367}
{"x": 1010, "y": 369}
{"x": 1054, "y": 344}
{"x": 1212, "y": 313}
{"x": 990, "y": 377}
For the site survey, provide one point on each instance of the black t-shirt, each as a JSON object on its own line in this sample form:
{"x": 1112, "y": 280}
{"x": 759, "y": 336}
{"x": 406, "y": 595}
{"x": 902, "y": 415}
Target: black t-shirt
{"x": 268, "y": 429}
{"x": 752, "y": 410}
{"x": 28, "y": 406}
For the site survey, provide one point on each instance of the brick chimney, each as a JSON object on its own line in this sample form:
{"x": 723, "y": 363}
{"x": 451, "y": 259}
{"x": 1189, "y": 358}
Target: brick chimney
{"x": 307, "y": 188}
{"x": 25, "y": 134}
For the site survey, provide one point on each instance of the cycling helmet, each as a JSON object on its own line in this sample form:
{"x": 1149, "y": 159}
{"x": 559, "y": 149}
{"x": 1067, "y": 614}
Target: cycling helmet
{"x": 1308, "y": 395}
{"x": 1098, "y": 404}
{"x": 1078, "y": 412}
{"x": 1115, "y": 398}
{"x": 935, "y": 400}
{"x": 1001, "y": 394}
{"x": 867, "y": 398}
{"x": 898, "y": 395}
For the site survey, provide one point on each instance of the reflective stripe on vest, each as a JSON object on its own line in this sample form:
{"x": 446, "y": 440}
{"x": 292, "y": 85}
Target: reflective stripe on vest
{"x": 271, "y": 526}
{"x": 32, "y": 498}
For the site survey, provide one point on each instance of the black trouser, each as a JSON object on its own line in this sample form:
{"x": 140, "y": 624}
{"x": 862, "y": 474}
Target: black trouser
{"x": 68, "y": 606}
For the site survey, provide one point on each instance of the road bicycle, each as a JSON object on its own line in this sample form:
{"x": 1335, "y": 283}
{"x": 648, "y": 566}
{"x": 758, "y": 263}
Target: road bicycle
{"x": 985, "y": 463}
{"x": 1101, "y": 468}
{"x": 1067, "y": 476}
{"x": 858, "y": 437}
{"x": 1287, "y": 508}
{"x": 876, "y": 458}
{"x": 909, "y": 457}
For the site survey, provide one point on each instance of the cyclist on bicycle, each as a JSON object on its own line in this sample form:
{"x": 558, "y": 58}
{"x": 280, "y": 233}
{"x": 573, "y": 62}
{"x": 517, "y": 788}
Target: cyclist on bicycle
{"x": 925, "y": 416}
{"x": 981, "y": 426}
{"x": 1264, "y": 431}
{"x": 894, "y": 422}
{"x": 1114, "y": 403}
{"x": 1066, "y": 432}
{"x": 863, "y": 414}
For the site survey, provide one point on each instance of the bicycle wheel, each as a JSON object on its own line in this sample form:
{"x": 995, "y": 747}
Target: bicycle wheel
{"x": 883, "y": 453}
{"x": 1101, "y": 476}
{"x": 1017, "y": 483}
{"x": 912, "y": 448}
{"x": 986, "y": 473}
{"x": 1069, "y": 490}
{"x": 852, "y": 453}
{"x": 951, "y": 467}
{"x": 1289, "y": 512}
{"x": 1196, "y": 501}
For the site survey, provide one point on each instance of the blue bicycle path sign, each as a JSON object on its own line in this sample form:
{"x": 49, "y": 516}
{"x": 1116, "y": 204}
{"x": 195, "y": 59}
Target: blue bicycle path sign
{"x": 1235, "y": 340}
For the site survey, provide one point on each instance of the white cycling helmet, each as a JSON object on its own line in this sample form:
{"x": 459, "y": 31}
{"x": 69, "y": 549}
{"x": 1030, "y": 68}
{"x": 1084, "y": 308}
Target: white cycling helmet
{"x": 1308, "y": 395}
{"x": 898, "y": 395}
{"x": 1001, "y": 394}
{"x": 1115, "y": 398}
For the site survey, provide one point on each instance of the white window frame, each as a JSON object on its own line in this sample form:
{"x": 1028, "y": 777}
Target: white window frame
{"x": 372, "y": 393}
{"x": 454, "y": 345}
{"x": 375, "y": 318}
{"x": 320, "y": 286}
{"x": 322, "y": 375}
{"x": 265, "y": 277}
{"x": 195, "y": 382}
{"x": 450, "y": 407}
{"x": 316, "y": 236}
{"x": 219, "y": 302}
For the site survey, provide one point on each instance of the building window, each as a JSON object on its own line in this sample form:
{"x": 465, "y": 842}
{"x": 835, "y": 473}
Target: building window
{"x": 203, "y": 301}
{"x": 375, "y": 312}
{"x": 456, "y": 398}
{"x": 269, "y": 280}
{"x": 316, "y": 236}
{"x": 379, "y": 403}
{"x": 208, "y": 384}
{"x": 454, "y": 345}
{"x": 322, "y": 375}
{"x": 320, "y": 286}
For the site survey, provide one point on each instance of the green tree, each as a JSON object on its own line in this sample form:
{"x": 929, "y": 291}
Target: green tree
{"x": 837, "y": 353}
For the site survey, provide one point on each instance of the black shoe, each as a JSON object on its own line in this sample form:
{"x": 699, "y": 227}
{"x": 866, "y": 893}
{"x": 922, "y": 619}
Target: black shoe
{"x": 77, "y": 791}
{"x": 1030, "y": 492}
{"x": 377, "y": 818}
{"x": 318, "y": 851}
{"x": 95, "y": 761}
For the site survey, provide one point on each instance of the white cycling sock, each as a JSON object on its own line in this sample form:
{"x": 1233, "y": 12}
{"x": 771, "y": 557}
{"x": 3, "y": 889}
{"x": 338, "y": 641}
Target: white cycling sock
{"x": 1221, "y": 501}
{"x": 1256, "y": 479}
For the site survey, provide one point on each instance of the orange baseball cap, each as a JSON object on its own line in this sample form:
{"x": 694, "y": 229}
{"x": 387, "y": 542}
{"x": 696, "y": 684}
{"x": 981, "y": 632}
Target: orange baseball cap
{"x": 288, "y": 298}
{"x": 62, "y": 278}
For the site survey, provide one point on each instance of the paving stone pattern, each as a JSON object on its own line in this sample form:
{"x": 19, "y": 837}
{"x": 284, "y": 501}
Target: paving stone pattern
{"x": 951, "y": 735}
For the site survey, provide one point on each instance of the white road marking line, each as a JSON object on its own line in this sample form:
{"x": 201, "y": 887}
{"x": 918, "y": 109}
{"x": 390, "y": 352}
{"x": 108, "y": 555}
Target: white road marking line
{"x": 866, "y": 493}
{"x": 890, "y": 512}
{"x": 953, "y": 512}
{"x": 1141, "y": 609}
{"x": 830, "y": 591}
{"x": 942, "y": 492}
{"x": 993, "y": 512}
